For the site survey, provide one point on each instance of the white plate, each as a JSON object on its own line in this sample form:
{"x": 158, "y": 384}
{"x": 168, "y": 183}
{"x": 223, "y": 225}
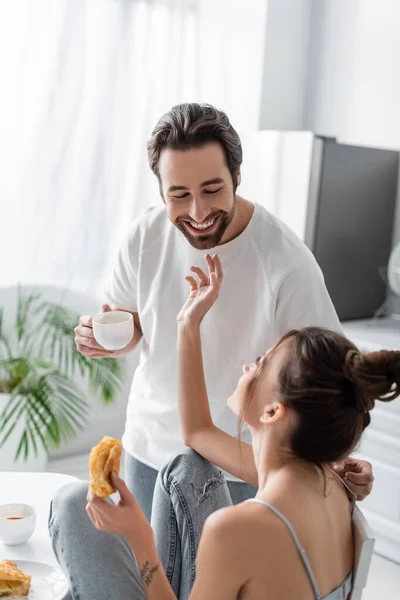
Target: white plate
{"x": 48, "y": 583}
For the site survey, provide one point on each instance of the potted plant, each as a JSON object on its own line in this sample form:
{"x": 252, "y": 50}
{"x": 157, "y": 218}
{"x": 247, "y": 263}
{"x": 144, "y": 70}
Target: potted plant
{"x": 41, "y": 404}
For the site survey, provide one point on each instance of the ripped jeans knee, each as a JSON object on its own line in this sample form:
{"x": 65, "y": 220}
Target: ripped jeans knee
{"x": 188, "y": 490}
{"x": 191, "y": 471}
{"x": 203, "y": 491}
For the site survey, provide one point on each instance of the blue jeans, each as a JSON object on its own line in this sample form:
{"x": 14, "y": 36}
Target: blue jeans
{"x": 102, "y": 566}
{"x": 141, "y": 480}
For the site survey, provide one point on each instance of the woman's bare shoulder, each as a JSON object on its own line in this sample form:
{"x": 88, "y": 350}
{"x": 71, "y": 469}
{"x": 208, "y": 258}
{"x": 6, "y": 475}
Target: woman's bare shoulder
{"x": 246, "y": 523}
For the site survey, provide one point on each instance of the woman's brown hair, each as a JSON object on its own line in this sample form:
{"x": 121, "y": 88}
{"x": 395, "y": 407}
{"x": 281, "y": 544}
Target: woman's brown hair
{"x": 331, "y": 386}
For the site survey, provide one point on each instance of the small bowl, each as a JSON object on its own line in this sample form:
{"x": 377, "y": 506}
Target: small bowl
{"x": 17, "y": 523}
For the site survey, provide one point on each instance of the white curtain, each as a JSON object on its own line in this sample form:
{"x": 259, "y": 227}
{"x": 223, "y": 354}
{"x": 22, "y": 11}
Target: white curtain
{"x": 83, "y": 83}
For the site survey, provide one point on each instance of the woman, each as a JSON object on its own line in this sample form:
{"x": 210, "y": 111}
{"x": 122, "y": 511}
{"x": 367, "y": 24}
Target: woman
{"x": 306, "y": 403}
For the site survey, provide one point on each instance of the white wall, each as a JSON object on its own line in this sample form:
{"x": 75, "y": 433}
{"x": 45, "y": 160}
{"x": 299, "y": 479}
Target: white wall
{"x": 329, "y": 63}
{"x": 230, "y": 42}
{"x": 354, "y": 83}
{"x": 353, "y": 90}
{"x": 285, "y": 64}
{"x": 332, "y": 67}
{"x": 276, "y": 174}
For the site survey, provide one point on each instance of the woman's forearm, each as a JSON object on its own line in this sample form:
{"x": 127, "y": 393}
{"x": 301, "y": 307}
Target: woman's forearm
{"x": 194, "y": 407}
{"x": 152, "y": 574}
{"x": 198, "y": 429}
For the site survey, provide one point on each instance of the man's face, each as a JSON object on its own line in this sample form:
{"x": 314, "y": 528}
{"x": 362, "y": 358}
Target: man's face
{"x": 198, "y": 193}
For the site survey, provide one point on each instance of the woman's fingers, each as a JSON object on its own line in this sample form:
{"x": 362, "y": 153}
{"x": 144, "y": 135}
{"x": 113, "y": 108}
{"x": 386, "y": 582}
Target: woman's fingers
{"x": 91, "y": 514}
{"x": 218, "y": 267}
{"x": 214, "y": 280}
{"x": 201, "y": 275}
{"x": 192, "y": 282}
{"x": 210, "y": 264}
{"x": 214, "y": 271}
{"x": 100, "y": 512}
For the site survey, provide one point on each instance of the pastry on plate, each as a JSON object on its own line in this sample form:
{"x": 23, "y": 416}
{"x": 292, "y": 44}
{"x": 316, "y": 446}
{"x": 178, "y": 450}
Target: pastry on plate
{"x": 13, "y": 582}
{"x": 105, "y": 458}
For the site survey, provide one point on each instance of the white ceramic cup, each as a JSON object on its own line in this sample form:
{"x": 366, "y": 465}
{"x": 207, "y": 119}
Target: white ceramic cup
{"x": 113, "y": 330}
{"x": 17, "y": 523}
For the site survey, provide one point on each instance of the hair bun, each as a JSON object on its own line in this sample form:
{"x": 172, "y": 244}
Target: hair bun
{"x": 376, "y": 376}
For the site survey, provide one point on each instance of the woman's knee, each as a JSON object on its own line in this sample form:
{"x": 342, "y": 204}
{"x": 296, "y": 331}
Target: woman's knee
{"x": 69, "y": 504}
{"x": 190, "y": 466}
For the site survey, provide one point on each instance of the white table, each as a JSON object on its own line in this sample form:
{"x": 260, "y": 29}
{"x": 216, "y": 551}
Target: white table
{"x": 36, "y": 489}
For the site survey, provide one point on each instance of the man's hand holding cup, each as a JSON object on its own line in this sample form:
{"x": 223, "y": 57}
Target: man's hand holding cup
{"x": 104, "y": 334}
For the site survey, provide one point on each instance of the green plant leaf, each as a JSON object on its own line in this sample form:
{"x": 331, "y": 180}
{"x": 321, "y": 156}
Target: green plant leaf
{"x": 4, "y": 342}
{"x": 40, "y": 376}
{"x": 18, "y": 408}
{"x": 106, "y": 378}
{"x": 11, "y": 413}
{"x": 38, "y": 430}
{"x": 24, "y": 305}
{"x": 16, "y": 369}
{"x": 31, "y": 433}
{"x": 53, "y": 411}
{"x": 13, "y": 425}
{"x": 69, "y": 407}
{"x": 23, "y": 446}
{"x": 40, "y": 404}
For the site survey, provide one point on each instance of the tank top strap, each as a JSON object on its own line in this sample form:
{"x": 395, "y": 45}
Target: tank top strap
{"x": 352, "y": 494}
{"x": 296, "y": 540}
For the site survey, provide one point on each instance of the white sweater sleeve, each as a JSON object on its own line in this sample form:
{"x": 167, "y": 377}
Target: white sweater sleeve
{"x": 303, "y": 300}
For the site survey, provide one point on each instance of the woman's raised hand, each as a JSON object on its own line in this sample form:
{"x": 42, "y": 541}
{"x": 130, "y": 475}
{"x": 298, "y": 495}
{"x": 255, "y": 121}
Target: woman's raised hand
{"x": 203, "y": 292}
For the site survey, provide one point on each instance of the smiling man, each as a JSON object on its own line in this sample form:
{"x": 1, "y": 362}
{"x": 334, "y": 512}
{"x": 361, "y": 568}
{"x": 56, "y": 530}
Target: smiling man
{"x": 272, "y": 283}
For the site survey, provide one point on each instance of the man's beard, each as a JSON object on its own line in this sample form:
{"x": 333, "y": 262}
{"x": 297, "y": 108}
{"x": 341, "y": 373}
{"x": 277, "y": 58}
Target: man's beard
{"x": 205, "y": 242}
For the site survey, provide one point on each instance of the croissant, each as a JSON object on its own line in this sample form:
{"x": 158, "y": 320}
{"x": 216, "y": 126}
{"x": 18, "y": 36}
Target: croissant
{"x": 104, "y": 459}
{"x": 13, "y": 582}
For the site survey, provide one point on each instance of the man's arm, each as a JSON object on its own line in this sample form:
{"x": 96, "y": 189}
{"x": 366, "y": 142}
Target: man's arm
{"x": 121, "y": 292}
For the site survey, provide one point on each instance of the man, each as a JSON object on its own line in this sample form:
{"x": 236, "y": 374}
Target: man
{"x": 272, "y": 283}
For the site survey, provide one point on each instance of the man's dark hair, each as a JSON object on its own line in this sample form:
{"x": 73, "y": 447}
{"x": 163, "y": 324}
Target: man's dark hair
{"x": 193, "y": 126}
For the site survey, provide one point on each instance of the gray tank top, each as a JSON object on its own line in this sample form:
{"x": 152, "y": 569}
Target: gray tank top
{"x": 340, "y": 593}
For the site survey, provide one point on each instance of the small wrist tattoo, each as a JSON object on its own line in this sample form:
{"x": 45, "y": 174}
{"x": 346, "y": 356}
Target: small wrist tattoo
{"x": 147, "y": 573}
